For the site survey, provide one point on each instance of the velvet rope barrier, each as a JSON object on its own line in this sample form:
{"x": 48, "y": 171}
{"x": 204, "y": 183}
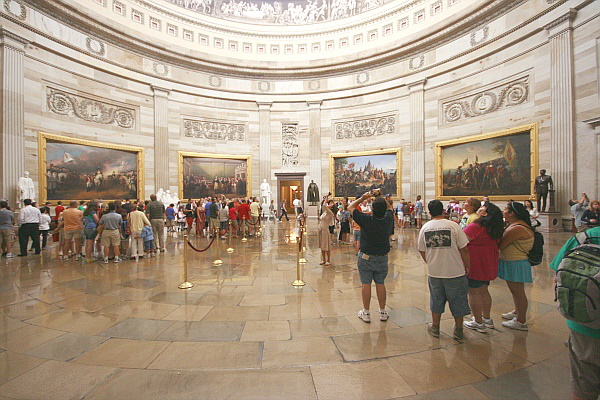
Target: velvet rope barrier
{"x": 203, "y": 250}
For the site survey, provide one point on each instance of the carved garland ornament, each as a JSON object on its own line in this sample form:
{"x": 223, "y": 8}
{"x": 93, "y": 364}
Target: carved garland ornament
{"x": 511, "y": 94}
{"x": 64, "y": 103}
{"x": 214, "y": 130}
{"x": 374, "y": 126}
{"x": 289, "y": 145}
{"x": 16, "y": 8}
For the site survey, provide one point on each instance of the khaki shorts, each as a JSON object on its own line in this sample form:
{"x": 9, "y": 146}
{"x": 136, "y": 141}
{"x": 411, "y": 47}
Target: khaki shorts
{"x": 5, "y": 236}
{"x": 73, "y": 234}
{"x": 214, "y": 223}
{"x": 584, "y": 354}
{"x": 111, "y": 237}
{"x": 253, "y": 220}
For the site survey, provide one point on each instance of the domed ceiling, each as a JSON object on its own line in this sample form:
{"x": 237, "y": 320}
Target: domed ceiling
{"x": 280, "y": 12}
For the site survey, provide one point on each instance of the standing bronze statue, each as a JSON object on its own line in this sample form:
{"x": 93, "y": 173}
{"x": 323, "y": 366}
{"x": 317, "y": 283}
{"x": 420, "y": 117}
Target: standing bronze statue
{"x": 313, "y": 193}
{"x": 543, "y": 184}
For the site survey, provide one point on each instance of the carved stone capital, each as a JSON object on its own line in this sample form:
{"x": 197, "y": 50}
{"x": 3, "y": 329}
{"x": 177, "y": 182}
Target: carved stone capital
{"x": 314, "y": 105}
{"x": 593, "y": 122}
{"x": 264, "y": 105}
{"x": 417, "y": 85}
{"x": 8, "y": 38}
{"x": 160, "y": 91}
{"x": 567, "y": 17}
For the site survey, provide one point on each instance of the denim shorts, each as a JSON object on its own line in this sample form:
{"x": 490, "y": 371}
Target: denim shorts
{"x": 451, "y": 290}
{"x": 373, "y": 269}
{"x": 357, "y": 236}
{"x": 148, "y": 245}
{"x": 476, "y": 284}
{"x": 90, "y": 234}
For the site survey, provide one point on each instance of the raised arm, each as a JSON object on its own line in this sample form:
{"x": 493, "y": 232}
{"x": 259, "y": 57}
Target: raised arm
{"x": 359, "y": 200}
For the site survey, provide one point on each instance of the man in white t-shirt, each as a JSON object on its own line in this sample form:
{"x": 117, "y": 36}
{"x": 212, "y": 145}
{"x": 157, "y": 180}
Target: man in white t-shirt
{"x": 443, "y": 246}
{"x": 298, "y": 206}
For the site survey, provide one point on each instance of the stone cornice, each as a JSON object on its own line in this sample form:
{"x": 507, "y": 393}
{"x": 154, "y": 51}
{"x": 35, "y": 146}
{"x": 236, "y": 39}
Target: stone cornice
{"x": 4, "y": 33}
{"x": 568, "y": 17}
{"x": 593, "y": 122}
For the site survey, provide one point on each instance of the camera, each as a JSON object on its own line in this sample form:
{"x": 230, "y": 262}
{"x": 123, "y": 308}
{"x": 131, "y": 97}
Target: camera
{"x": 376, "y": 192}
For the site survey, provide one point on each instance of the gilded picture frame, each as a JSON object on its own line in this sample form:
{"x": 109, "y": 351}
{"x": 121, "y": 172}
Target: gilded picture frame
{"x": 502, "y": 165}
{"x": 199, "y": 173}
{"x": 78, "y": 169}
{"x": 353, "y": 173}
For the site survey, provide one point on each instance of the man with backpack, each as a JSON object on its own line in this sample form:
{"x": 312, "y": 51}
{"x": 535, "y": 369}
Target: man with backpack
{"x": 578, "y": 292}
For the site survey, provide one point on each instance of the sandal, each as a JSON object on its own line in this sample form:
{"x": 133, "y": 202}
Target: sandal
{"x": 322, "y": 263}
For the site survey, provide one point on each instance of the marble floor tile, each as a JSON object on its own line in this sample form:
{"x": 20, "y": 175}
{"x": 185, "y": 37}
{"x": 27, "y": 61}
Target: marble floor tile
{"x": 27, "y": 309}
{"x": 15, "y": 364}
{"x": 545, "y": 380}
{"x": 188, "y": 313}
{"x": 338, "y": 308}
{"x": 11, "y": 297}
{"x": 141, "y": 283}
{"x": 140, "y": 309}
{"x": 552, "y": 319}
{"x": 369, "y": 381}
{"x": 293, "y": 311}
{"x": 321, "y": 327}
{"x": 23, "y": 339}
{"x": 238, "y": 313}
{"x": 258, "y": 331}
{"x": 457, "y": 393}
{"x": 209, "y": 355}
{"x": 289, "y": 384}
{"x": 300, "y": 352}
{"x": 66, "y": 347}
{"x": 56, "y": 380}
{"x": 182, "y": 297}
{"x": 432, "y": 370}
{"x": 8, "y": 324}
{"x": 263, "y": 300}
{"x": 137, "y": 328}
{"x": 409, "y": 316}
{"x": 87, "y": 302}
{"x": 90, "y": 286}
{"x": 123, "y": 353}
{"x": 53, "y": 294}
{"x": 203, "y": 331}
{"x": 386, "y": 343}
{"x": 221, "y": 300}
{"x": 76, "y": 321}
{"x": 373, "y": 326}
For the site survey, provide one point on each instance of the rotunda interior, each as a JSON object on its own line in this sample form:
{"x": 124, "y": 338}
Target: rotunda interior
{"x": 285, "y": 101}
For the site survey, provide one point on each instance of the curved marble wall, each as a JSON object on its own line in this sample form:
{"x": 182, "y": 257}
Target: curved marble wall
{"x": 542, "y": 55}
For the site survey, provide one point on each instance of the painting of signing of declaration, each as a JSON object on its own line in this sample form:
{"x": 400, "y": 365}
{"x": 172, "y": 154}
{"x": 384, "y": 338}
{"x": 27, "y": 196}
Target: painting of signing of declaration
{"x": 501, "y": 165}
{"x": 72, "y": 169}
{"x": 202, "y": 175}
{"x": 352, "y": 174}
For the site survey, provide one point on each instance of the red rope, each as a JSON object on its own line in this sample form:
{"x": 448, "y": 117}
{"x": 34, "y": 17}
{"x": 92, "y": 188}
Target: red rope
{"x": 252, "y": 224}
{"x": 203, "y": 250}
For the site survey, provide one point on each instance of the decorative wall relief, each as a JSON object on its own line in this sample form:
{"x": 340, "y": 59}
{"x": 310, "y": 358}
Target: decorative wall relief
{"x": 215, "y": 81}
{"x": 507, "y": 95}
{"x": 160, "y": 68}
{"x": 479, "y": 36}
{"x": 214, "y": 130}
{"x": 362, "y": 77}
{"x": 416, "y": 62}
{"x": 373, "y": 126}
{"x": 16, "y": 8}
{"x": 289, "y": 145}
{"x": 95, "y": 46}
{"x": 63, "y": 103}
{"x": 264, "y": 86}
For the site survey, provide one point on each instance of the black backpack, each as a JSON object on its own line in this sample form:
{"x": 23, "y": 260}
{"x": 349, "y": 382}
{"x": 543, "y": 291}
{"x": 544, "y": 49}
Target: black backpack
{"x": 536, "y": 254}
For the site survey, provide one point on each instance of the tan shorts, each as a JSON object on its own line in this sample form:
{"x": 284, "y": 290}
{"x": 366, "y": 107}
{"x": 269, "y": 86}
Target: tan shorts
{"x": 73, "y": 234}
{"x": 214, "y": 223}
{"x": 111, "y": 237}
{"x": 5, "y": 236}
{"x": 584, "y": 354}
{"x": 253, "y": 220}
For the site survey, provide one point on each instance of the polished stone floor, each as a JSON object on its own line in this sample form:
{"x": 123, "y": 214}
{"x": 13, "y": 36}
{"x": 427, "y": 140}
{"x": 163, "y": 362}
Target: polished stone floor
{"x": 71, "y": 330}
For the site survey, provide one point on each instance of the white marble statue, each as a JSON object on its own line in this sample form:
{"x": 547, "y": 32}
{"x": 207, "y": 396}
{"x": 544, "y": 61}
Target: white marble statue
{"x": 265, "y": 193}
{"x": 170, "y": 198}
{"x": 26, "y": 189}
{"x": 159, "y": 195}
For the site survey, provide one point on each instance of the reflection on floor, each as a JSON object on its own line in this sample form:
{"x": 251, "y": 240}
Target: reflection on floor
{"x": 73, "y": 330}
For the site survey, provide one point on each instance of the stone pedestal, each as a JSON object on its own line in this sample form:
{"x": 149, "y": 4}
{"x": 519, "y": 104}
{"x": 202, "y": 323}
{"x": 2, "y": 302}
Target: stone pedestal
{"x": 312, "y": 211}
{"x": 551, "y": 222}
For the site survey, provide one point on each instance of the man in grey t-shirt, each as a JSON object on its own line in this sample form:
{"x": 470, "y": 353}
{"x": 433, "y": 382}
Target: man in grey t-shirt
{"x": 7, "y": 220}
{"x": 578, "y": 208}
{"x": 109, "y": 226}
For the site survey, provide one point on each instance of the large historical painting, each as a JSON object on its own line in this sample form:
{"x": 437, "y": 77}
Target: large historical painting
{"x": 203, "y": 175}
{"x": 280, "y": 11}
{"x": 72, "y": 169}
{"x": 501, "y": 165}
{"x": 352, "y": 174}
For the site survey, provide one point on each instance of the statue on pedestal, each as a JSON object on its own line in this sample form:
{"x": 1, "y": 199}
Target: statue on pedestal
{"x": 543, "y": 183}
{"x": 26, "y": 189}
{"x": 265, "y": 194}
{"x": 313, "y": 193}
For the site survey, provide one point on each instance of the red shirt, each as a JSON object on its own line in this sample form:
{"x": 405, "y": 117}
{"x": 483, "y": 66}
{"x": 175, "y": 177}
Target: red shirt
{"x": 245, "y": 211}
{"x": 483, "y": 253}
{"x": 233, "y": 214}
{"x": 58, "y": 210}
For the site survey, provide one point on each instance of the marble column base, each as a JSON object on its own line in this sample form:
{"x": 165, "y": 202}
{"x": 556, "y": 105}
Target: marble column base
{"x": 551, "y": 222}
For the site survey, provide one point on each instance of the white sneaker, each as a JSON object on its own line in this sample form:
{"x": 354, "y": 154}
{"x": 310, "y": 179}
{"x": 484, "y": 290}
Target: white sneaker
{"x": 383, "y": 315}
{"x": 365, "y": 315}
{"x": 105, "y": 260}
{"x": 117, "y": 259}
{"x": 509, "y": 315}
{"x": 489, "y": 323}
{"x": 475, "y": 326}
{"x": 77, "y": 257}
{"x": 10, "y": 255}
{"x": 514, "y": 324}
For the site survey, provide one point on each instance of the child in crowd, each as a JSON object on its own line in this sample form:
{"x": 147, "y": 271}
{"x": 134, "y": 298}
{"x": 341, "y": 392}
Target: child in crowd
{"x": 148, "y": 237}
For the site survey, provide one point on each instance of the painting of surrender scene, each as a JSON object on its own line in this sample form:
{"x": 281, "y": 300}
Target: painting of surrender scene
{"x": 498, "y": 165}
{"x": 210, "y": 176}
{"x": 355, "y": 173}
{"x": 84, "y": 170}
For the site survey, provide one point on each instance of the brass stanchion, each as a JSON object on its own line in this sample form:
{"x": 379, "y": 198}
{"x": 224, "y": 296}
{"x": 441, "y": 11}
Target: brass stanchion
{"x": 218, "y": 261}
{"x": 298, "y": 282}
{"x": 185, "y": 284}
{"x": 230, "y": 249}
{"x": 302, "y": 238}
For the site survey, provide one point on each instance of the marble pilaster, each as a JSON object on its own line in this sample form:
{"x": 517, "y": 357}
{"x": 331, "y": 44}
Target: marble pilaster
{"x": 12, "y": 135}
{"x": 314, "y": 145}
{"x": 161, "y": 138}
{"x": 264, "y": 148}
{"x": 562, "y": 129}
{"x": 417, "y": 139}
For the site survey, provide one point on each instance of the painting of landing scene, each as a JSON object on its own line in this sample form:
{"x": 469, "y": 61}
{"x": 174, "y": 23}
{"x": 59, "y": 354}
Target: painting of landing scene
{"x": 352, "y": 174}
{"x": 72, "y": 169}
{"x": 501, "y": 165}
{"x": 210, "y": 175}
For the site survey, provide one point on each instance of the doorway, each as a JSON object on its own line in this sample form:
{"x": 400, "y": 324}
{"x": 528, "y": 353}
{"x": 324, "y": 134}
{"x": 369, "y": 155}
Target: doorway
{"x": 290, "y": 185}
